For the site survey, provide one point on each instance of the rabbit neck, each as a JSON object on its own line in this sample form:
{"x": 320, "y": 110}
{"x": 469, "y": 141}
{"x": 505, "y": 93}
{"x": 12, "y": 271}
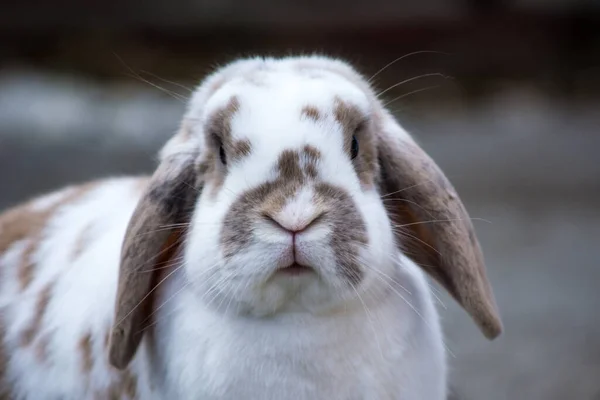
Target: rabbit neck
{"x": 379, "y": 351}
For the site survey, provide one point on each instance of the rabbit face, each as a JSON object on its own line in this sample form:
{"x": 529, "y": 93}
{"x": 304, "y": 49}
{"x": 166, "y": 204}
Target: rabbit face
{"x": 290, "y": 216}
{"x": 290, "y": 187}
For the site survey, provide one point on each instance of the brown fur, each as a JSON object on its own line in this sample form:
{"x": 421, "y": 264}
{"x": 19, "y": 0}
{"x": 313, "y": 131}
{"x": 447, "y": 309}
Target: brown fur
{"x": 354, "y": 123}
{"x": 19, "y": 223}
{"x": 311, "y": 112}
{"x": 168, "y": 199}
{"x": 41, "y": 304}
{"x": 219, "y": 125}
{"x": 430, "y": 218}
{"x": 218, "y": 132}
{"x": 85, "y": 350}
{"x": 296, "y": 169}
{"x": 24, "y": 222}
{"x": 240, "y": 149}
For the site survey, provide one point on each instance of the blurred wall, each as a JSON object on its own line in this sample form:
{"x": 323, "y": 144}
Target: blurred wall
{"x": 506, "y": 101}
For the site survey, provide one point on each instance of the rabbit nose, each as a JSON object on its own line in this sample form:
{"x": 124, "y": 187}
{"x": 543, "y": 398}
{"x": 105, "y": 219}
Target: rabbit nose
{"x": 296, "y": 225}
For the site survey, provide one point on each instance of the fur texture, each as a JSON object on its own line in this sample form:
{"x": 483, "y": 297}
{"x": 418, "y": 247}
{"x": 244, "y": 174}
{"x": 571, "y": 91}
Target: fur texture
{"x": 263, "y": 259}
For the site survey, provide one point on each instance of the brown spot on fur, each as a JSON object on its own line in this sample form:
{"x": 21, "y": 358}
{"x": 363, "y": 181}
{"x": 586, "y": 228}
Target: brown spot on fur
{"x": 348, "y": 228}
{"x": 220, "y": 122}
{"x": 26, "y": 266}
{"x": 311, "y": 112}
{"x": 312, "y": 156}
{"x": 24, "y": 222}
{"x": 40, "y": 309}
{"x": 349, "y": 117}
{"x": 289, "y": 166}
{"x": 355, "y": 124}
{"x": 218, "y": 131}
{"x": 85, "y": 348}
{"x": 240, "y": 149}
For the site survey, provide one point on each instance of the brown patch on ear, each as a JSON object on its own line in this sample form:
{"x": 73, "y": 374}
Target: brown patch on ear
{"x": 168, "y": 200}
{"x": 40, "y": 309}
{"x": 311, "y": 112}
{"x": 24, "y": 222}
{"x": 422, "y": 202}
{"x": 85, "y": 349}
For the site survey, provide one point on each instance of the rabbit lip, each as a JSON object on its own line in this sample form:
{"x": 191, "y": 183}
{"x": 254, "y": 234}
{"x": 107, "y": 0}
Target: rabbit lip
{"x": 295, "y": 269}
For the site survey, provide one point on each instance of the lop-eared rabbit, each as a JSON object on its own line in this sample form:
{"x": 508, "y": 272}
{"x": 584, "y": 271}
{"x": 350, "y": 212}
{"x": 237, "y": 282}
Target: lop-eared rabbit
{"x": 280, "y": 250}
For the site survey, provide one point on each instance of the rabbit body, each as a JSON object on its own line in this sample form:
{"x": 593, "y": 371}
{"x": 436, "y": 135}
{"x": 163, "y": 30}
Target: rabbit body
{"x": 264, "y": 258}
{"x": 55, "y": 338}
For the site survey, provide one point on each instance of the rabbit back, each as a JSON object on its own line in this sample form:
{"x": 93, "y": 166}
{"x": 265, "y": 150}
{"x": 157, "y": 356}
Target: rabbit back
{"x": 59, "y": 259}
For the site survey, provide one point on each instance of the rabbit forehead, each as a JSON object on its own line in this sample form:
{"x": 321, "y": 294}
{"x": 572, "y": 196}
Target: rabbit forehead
{"x": 276, "y": 99}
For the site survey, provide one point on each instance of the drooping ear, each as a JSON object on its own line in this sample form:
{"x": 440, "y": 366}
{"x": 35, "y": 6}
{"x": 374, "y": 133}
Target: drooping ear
{"x": 147, "y": 246}
{"x": 424, "y": 205}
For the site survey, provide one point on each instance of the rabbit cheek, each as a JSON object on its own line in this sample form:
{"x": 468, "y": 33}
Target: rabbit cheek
{"x": 348, "y": 230}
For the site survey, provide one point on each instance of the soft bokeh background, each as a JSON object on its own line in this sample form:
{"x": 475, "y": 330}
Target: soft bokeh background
{"x": 508, "y": 106}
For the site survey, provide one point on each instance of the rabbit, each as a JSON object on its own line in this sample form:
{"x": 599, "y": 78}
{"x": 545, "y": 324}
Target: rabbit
{"x": 281, "y": 249}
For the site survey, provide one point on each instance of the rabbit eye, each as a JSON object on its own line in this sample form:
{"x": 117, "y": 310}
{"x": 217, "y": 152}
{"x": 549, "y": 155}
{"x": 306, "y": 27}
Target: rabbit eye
{"x": 354, "y": 148}
{"x": 222, "y": 155}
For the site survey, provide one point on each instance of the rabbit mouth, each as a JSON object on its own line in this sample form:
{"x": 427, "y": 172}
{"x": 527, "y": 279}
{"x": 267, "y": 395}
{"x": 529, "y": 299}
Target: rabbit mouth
{"x": 295, "y": 269}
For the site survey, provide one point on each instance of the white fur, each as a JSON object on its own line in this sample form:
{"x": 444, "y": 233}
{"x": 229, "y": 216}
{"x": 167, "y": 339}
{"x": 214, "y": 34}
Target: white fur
{"x": 227, "y": 329}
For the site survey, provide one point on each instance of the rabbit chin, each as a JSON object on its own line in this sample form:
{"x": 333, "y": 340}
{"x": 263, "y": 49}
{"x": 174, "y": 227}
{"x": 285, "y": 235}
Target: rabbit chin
{"x": 257, "y": 285}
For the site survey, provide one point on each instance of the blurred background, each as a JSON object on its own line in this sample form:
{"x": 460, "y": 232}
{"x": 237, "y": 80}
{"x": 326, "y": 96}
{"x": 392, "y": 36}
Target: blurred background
{"x": 503, "y": 94}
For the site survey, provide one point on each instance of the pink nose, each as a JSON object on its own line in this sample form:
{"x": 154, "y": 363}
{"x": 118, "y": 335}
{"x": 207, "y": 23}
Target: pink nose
{"x": 293, "y": 227}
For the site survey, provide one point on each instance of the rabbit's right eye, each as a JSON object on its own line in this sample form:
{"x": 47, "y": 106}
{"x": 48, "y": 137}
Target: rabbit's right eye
{"x": 222, "y": 155}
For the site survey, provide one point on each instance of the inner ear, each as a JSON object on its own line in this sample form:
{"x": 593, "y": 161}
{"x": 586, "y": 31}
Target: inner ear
{"x": 152, "y": 237}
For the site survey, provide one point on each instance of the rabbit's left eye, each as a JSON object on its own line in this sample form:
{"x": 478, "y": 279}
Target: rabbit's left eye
{"x": 354, "y": 148}
{"x": 222, "y": 155}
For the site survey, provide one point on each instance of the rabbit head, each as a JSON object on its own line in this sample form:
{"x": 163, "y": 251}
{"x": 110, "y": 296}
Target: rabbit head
{"x": 289, "y": 186}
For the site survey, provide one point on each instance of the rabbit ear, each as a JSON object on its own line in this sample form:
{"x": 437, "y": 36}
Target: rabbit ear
{"x": 168, "y": 199}
{"x": 425, "y": 206}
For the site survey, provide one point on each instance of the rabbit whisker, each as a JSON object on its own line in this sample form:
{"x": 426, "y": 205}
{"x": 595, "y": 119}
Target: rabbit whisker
{"x": 410, "y": 80}
{"x": 411, "y": 93}
{"x": 370, "y": 318}
{"x": 402, "y": 58}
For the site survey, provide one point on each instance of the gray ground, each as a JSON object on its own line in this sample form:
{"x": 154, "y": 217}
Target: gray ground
{"x": 526, "y": 164}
